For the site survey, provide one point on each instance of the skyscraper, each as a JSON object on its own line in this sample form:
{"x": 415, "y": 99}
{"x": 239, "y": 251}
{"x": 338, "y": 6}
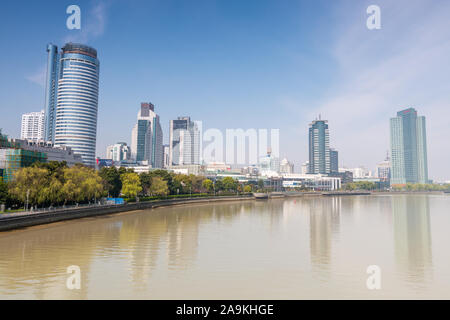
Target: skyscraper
{"x": 319, "y": 147}
{"x": 334, "y": 160}
{"x": 147, "y": 137}
{"x": 184, "y": 141}
{"x": 51, "y": 91}
{"x": 72, "y": 99}
{"x": 32, "y": 126}
{"x": 408, "y": 148}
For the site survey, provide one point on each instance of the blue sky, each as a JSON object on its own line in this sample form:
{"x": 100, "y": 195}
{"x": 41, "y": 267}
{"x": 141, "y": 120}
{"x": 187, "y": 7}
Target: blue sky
{"x": 246, "y": 64}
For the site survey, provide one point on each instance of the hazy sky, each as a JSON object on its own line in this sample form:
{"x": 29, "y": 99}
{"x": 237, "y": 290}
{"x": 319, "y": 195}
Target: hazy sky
{"x": 246, "y": 64}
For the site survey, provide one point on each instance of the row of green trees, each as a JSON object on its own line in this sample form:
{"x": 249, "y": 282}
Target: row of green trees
{"x": 161, "y": 183}
{"x": 54, "y": 184}
{"x": 421, "y": 187}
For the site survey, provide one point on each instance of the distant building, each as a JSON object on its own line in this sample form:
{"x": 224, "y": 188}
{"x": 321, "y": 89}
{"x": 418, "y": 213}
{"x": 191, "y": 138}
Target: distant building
{"x": 147, "y": 137}
{"x": 305, "y": 168}
{"x": 118, "y": 152}
{"x": 54, "y": 153}
{"x": 184, "y": 142}
{"x": 269, "y": 165}
{"x": 359, "y": 172}
{"x": 384, "y": 172}
{"x": 346, "y": 176}
{"x": 286, "y": 166}
{"x": 17, "y": 153}
{"x": 195, "y": 169}
{"x": 334, "y": 160}
{"x": 32, "y": 126}
{"x": 217, "y": 167}
{"x": 319, "y": 147}
{"x": 316, "y": 182}
{"x": 408, "y": 148}
{"x": 166, "y": 149}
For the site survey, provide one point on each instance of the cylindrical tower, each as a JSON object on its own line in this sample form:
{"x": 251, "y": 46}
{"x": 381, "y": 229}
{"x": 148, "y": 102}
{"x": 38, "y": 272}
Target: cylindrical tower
{"x": 77, "y": 101}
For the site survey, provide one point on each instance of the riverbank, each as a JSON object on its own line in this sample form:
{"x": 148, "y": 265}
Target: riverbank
{"x": 28, "y": 219}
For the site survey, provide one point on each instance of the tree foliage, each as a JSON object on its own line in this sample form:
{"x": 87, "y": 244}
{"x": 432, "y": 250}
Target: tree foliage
{"x": 131, "y": 184}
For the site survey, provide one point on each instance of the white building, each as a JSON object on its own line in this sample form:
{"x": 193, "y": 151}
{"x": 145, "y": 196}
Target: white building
{"x": 358, "y": 173}
{"x": 269, "y": 166}
{"x": 317, "y": 182}
{"x": 32, "y": 127}
{"x": 118, "y": 152}
{"x": 166, "y": 151}
{"x": 305, "y": 168}
{"x": 286, "y": 166}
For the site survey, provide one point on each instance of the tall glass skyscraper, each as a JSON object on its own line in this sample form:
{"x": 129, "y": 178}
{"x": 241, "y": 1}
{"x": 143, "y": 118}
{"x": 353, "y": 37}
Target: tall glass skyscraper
{"x": 408, "y": 148}
{"x": 71, "y": 118}
{"x": 319, "y": 147}
{"x": 147, "y": 137}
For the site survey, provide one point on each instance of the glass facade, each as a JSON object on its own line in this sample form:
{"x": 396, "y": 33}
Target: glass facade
{"x": 408, "y": 148}
{"x": 72, "y": 99}
{"x": 319, "y": 147}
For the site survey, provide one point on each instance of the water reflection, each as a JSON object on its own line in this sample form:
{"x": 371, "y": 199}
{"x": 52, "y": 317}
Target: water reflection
{"x": 412, "y": 236}
{"x": 309, "y": 243}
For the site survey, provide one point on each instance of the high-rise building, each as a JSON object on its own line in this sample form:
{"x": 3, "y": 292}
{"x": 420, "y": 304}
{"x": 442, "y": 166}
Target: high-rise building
{"x": 334, "y": 160}
{"x": 72, "y": 99}
{"x": 147, "y": 137}
{"x": 51, "y": 91}
{"x": 118, "y": 152}
{"x": 319, "y": 147}
{"x": 408, "y": 148}
{"x": 32, "y": 127}
{"x": 184, "y": 142}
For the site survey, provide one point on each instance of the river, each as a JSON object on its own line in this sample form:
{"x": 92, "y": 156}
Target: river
{"x": 297, "y": 248}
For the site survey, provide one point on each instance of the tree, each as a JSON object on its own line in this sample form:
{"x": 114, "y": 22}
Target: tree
{"x": 248, "y": 189}
{"x": 27, "y": 185}
{"x": 208, "y": 185}
{"x": 81, "y": 184}
{"x": 229, "y": 184}
{"x": 131, "y": 184}
{"x": 159, "y": 187}
{"x": 146, "y": 182}
{"x": 3, "y": 191}
{"x": 111, "y": 180}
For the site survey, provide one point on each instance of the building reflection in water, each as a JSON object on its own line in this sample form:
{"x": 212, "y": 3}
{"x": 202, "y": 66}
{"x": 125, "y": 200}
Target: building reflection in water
{"x": 412, "y": 236}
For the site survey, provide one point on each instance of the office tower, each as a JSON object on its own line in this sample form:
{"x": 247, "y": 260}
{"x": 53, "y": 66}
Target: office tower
{"x": 147, "y": 137}
{"x": 72, "y": 99}
{"x": 319, "y": 147}
{"x": 334, "y": 160}
{"x": 32, "y": 127}
{"x": 408, "y": 148}
{"x": 51, "y": 92}
{"x": 118, "y": 152}
{"x": 184, "y": 141}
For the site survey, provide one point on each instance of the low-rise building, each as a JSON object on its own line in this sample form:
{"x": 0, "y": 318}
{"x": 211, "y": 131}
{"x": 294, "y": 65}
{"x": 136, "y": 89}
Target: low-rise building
{"x": 316, "y": 182}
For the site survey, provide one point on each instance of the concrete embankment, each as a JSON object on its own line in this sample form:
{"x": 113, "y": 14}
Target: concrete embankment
{"x": 11, "y": 222}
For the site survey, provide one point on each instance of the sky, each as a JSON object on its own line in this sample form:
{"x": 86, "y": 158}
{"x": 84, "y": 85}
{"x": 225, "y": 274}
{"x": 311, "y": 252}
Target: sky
{"x": 246, "y": 64}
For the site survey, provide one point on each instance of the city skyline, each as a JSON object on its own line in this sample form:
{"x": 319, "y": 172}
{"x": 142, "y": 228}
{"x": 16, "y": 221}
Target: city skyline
{"x": 221, "y": 87}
